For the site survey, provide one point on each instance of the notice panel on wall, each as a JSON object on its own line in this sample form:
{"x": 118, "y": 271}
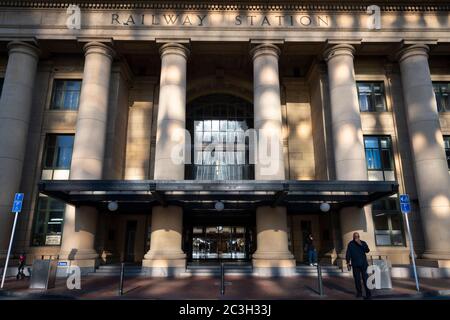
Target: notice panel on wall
{"x": 53, "y": 240}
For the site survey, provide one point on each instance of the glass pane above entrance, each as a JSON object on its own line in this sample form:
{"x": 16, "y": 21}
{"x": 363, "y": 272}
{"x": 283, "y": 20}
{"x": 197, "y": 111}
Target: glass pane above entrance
{"x": 220, "y": 149}
{"x": 219, "y": 243}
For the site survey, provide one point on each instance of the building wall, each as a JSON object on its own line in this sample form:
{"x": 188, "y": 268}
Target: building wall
{"x": 300, "y": 156}
{"x": 139, "y": 135}
{"x": 131, "y": 135}
{"x": 308, "y": 148}
{"x": 386, "y": 123}
{"x": 44, "y": 121}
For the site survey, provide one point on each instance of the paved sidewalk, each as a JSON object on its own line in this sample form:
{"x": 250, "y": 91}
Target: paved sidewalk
{"x": 95, "y": 287}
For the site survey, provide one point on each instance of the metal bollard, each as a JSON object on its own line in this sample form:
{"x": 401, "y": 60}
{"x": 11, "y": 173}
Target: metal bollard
{"x": 222, "y": 280}
{"x": 122, "y": 272}
{"x": 319, "y": 279}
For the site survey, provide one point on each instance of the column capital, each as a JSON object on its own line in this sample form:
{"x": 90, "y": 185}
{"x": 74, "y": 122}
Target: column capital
{"x": 174, "y": 48}
{"x": 339, "y": 50}
{"x": 100, "y": 48}
{"x": 17, "y": 46}
{"x": 265, "y": 49}
{"x": 413, "y": 50}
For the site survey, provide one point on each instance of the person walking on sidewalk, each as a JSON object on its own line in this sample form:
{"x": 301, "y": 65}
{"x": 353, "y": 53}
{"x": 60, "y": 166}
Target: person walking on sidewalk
{"x": 357, "y": 260}
{"x": 21, "y": 267}
{"x": 311, "y": 250}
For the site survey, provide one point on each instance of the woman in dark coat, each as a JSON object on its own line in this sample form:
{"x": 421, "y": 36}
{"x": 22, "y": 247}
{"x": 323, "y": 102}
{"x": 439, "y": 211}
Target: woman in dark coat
{"x": 311, "y": 250}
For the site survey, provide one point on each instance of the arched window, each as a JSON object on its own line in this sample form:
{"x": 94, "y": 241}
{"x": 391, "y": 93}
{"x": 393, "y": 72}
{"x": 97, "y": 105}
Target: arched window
{"x": 219, "y": 149}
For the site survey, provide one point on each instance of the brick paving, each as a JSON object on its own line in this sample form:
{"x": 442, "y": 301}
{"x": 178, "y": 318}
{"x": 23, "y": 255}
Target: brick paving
{"x": 237, "y": 288}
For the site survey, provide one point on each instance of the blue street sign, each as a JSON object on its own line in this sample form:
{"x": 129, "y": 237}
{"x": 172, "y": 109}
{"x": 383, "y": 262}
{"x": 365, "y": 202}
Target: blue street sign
{"x": 404, "y": 198}
{"x": 405, "y": 205}
{"x": 18, "y": 197}
{"x": 17, "y": 204}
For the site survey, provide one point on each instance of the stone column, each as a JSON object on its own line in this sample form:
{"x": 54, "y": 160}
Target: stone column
{"x": 349, "y": 153}
{"x": 15, "y": 109}
{"x": 88, "y": 153}
{"x": 165, "y": 257}
{"x": 430, "y": 164}
{"x": 272, "y": 256}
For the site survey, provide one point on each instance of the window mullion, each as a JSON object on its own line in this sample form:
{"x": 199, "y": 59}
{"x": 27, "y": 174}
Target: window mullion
{"x": 373, "y": 99}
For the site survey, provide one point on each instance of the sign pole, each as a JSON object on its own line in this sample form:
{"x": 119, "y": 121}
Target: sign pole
{"x": 9, "y": 249}
{"x": 16, "y": 208}
{"x": 405, "y": 206}
{"x": 411, "y": 247}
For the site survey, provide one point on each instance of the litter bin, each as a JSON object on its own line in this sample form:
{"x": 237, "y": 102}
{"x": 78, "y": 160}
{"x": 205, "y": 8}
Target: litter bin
{"x": 385, "y": 272}
{"x": 43, "y": 274}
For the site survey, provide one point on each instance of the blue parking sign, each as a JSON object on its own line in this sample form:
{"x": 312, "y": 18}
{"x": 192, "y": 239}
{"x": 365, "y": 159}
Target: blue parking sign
{"x": 18, "y": 197}
{"x": 405, "y": 205}
{"x": 404, "y": 198}
{"x": 17, "y": 204}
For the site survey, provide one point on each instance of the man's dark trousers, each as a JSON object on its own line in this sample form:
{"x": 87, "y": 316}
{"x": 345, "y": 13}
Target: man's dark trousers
{"x": 359, "y": 272}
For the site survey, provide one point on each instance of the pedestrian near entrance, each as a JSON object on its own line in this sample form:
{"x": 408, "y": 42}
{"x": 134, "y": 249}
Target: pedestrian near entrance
{"x": 21, "y": 267}
{"x": 357, "y": 260}
{"x": 311, "y": 250}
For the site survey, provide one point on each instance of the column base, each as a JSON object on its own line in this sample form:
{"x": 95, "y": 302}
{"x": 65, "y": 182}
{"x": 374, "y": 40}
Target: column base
{"x": 163, "y": 267}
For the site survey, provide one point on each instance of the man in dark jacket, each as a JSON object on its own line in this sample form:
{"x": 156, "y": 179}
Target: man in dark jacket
{"x": 357, "y": 260}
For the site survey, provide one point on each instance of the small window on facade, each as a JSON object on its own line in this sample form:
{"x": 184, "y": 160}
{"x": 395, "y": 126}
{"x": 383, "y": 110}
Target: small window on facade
{"x": 388, "y": 222}
{"x": 379, "y": 158}
{"x": 1, "y": 85}
{"x": 447, "y": 149}
{"x": 58, "y": 151}
{"x": 48, "y": 222}
{"x": 66, "y": 95}
{"x": 442, "y": 91}
{"x": 371, "y": 96}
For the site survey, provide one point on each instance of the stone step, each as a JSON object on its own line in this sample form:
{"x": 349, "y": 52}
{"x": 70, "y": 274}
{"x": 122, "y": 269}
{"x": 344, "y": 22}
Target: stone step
{"x": 118, "y": 269}
{"x": 218, "y": 268}
{"x": 214, "y": 270}
{"x": 327, "y": 270}
{"x": 324, "y": 274}
{"x": 325, "y": 267}
{"x": 114, "y": 270}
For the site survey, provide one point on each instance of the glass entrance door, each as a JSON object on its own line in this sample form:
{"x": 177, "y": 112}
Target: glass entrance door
{"x": 219, "y": 243}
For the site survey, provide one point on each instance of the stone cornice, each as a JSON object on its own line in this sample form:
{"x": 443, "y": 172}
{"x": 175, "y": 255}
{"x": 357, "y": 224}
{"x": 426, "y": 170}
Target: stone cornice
{"x": 237, "y": 5}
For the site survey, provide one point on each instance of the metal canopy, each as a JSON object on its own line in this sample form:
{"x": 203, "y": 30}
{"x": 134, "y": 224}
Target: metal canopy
{"x": 202, "y": 195}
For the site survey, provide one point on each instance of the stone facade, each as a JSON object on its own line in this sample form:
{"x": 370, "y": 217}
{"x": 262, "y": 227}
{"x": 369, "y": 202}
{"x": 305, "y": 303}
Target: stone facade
{"x": 298, "y": 64}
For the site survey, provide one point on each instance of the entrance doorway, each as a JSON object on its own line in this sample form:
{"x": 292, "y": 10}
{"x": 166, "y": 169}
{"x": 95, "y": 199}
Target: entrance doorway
{"x": 220, "y": 243}
{"x": 130, "y": 239}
